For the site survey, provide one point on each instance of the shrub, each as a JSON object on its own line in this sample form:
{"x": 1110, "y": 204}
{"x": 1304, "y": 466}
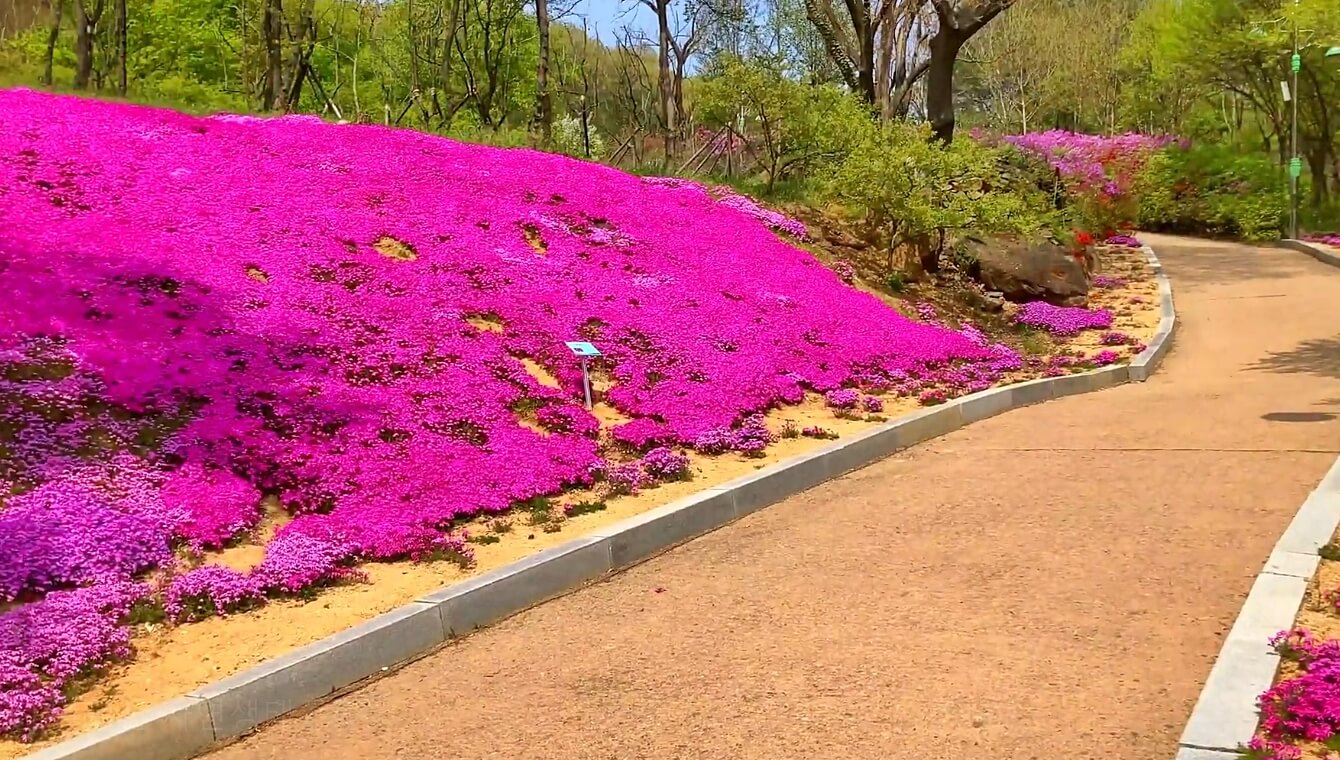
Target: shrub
{"x": 913, "y": 191}
{"x": 1210, "y": 189}
{"x": 799, "y": 127}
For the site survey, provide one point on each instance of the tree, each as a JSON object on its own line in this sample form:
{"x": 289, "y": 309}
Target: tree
{"x": 895, "y": 29}
{"x": 544, "y": 103}
{"x": 86, "y": 19}
{"x": 798, "y": 126}
{"x": 958, "y": 21}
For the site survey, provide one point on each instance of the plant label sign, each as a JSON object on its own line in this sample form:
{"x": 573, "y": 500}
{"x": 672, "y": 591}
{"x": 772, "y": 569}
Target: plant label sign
{"x": 583, "y": 349}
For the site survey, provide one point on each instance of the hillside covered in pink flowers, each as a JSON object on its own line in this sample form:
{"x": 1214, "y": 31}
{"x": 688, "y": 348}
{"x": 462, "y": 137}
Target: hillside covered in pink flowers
{"x": 199, "y": 312}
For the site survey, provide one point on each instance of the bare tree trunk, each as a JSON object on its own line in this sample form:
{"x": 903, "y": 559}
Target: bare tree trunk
{"x": 121, "y": 44}
{"x": 86, "y": 27}
{"x": 52, "y": 37}
{"x": 958, "y": 22}
{"x": 940, "y": 83}
{"x": 664, "y": 85}
{"x": 545, "y": 104}
{"x": 274, "y": 62}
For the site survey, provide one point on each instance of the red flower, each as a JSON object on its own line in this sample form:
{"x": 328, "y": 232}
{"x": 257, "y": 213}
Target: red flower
{"x": 1083, "y": 238}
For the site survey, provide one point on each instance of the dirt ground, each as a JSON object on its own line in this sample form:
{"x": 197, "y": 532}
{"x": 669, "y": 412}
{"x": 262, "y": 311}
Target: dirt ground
{"x": 1051, "y": 583}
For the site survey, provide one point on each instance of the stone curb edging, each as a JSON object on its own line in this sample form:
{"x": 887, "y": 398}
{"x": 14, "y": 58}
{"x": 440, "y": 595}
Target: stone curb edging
{"x": 223, "y": 711}
{"x": 1315, "y": 251}
{"x": 1225, "y": 716}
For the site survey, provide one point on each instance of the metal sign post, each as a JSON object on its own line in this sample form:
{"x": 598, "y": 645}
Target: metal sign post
{"x": 584, "y": 351}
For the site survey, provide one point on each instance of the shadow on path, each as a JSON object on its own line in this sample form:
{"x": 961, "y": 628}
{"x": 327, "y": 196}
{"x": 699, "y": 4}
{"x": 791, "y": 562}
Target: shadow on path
{"x": 1319, "y": 356}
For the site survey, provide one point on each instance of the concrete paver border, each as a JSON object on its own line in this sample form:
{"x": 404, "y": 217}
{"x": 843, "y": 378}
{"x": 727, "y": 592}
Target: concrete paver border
{"x": 1315, "y": 251}
{"x": 226, "y": 710}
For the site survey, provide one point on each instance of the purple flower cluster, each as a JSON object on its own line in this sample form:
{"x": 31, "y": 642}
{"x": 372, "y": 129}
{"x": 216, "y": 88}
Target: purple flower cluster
{"x": 776, "y": 220}
{"x": 1108, "y": 281}
{"x": 1115, "y": 339}
{"x": 209, "y": 590}
{"x": 872, "y": 404}
{"x": 1126, "y": 241}
{"x": 750, "y": 438}
{"x": 1105, "y": 357}
{"x": 627, "y": 478}
{"x": 1062, "y": 320}
{"x": 1331, "y": 240}
{"x": 46, "y": 644}
{"x": 842, "y": 398}
{"x": 1095, "y": 163}
{"x": 663, "y": 463}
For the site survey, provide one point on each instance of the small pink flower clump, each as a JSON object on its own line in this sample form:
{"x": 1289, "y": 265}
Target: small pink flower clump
{"x": 1324, "y": 239}
{"x": 1062, "y": 320}
{"x": 209, "y": 590}
{"x": 1107, "y": 281}
{"x": 1126, "y": 241}
{"x": 1115, "y": 339}
{"x": 842, "y": 399}
{"x": 1105, "y": 357}
{"x": 1304, "y": 707}
{"x": 664, "y": 464}
{"x": 872, "y": 404}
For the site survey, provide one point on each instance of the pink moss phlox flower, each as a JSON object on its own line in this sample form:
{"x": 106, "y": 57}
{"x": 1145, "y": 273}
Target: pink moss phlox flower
{"x": 210, "y": 590}
{"x": 663, "y": 463}
{"x": 1062, "y": 320}
{"x": 842, "y": 398}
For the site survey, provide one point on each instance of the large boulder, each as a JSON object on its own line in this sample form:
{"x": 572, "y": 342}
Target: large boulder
{"x": 1029, "y": 270}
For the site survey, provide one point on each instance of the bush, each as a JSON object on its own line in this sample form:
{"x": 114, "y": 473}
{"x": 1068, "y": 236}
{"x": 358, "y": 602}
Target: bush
{"x": 796, "y": 127}
{"x": 1211, "y": 189}
{"x": 915, "y": 191}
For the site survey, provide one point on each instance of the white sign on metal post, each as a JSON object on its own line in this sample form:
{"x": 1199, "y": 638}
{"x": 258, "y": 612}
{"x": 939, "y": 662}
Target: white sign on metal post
{"x": 584, "y": 351}
{"x": 1284, "y": 87}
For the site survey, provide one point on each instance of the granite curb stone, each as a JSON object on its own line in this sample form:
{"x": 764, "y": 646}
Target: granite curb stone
{"x": 244, "y": 701}
{"x": 173, "y": 729}
{"x": 1315, "y": 251}
{"x": 230, "y": 708}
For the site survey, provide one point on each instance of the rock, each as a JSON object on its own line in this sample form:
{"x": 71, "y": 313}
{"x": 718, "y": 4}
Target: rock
{"x": 1023, "y": 270}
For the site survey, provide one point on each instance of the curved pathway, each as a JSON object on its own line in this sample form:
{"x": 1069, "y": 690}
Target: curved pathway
{"x": 1051, "y": 583}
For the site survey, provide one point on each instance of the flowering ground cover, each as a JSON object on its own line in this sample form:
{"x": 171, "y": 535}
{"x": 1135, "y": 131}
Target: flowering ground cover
{"x": 1331, "y": 240}
{"x": 1300, "y": 713}
{"x": 364, "y": 328}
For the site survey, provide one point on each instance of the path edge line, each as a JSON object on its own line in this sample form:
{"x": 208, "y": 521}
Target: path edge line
{"x": 224, "y": 711}
{"x": 1225, "y": 716}
{"x": 1315, "y": 251}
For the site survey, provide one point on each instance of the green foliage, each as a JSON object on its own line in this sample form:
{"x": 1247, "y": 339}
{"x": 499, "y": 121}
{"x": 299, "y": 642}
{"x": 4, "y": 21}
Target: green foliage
{"x": 800, "y": 127}
{"x": 569, "y": 140}
{"x": 916, "y": 188}
{"x": 1212, "y": 189}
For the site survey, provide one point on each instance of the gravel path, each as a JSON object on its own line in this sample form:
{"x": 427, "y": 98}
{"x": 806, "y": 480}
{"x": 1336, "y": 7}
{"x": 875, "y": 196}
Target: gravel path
{"x": 1051, "y": 583}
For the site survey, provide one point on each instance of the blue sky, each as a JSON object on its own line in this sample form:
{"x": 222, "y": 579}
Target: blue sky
{"x": 606, "y": 17}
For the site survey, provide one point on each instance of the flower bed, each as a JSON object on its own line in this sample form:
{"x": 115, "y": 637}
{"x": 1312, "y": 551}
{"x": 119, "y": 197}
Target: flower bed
{"x": 365, "y": 328}
{"x": 1300, "y": 713}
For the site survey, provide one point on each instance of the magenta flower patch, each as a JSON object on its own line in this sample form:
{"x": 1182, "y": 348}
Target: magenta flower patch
{"x": 197, "y": 312}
